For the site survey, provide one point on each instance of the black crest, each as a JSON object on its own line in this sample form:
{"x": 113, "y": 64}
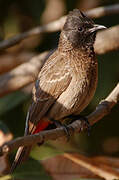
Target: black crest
{"x": 76, "y": 18}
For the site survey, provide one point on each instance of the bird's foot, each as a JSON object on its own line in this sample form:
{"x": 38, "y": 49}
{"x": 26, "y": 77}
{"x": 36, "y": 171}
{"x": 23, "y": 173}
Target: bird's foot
{"x": 83, "y": 118}
{"x": 59, "y": 124}
{"x": 39, "y": 144}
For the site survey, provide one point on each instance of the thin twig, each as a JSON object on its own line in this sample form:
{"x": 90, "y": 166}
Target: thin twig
{"x": 26, "y": 73}
{"x": 57, "y": 25}
{"x": 102, "y": 109}
{"x": 103, "y": 11}
{"x": 105, "y": 106}
{"x": 10, "y": 60}
{"x": 22, "y": 75}
{"x": 101, "y": 170}
{"x": 107, "y": 40}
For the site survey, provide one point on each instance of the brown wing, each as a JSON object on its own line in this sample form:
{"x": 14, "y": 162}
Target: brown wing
{"x": 53, "y": 80}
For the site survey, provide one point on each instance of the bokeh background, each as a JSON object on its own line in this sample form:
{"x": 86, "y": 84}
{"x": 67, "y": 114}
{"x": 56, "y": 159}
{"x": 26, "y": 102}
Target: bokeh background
{"x": 19, "y": 16}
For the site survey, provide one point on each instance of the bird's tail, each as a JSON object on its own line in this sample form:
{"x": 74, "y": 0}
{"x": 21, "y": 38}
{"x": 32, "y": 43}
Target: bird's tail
{"x": 23, "y": 152}
{"x": 21, "y": 156}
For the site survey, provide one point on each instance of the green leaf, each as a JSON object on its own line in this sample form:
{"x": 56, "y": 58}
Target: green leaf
{"x": 10, "y": 101}
{"x": 31, "y": 170}
{"x": 45, "y": 151}
{"x": 7, "y": 177}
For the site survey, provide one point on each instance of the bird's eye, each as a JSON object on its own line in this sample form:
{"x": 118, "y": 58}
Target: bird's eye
{"x": 80, "y": 28}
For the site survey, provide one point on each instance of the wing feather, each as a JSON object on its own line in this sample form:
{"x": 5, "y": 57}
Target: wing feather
{"x": 53, "y": 80}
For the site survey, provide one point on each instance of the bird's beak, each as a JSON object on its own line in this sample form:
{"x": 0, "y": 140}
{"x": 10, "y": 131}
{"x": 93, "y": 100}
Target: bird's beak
{"x": 96, "y": 27}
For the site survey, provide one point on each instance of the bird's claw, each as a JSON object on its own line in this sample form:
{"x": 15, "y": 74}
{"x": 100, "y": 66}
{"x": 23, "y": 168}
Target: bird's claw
{"x": 87, "y": 124}
{"x": 59, "y": 124}
{"x": 83, "y": 118}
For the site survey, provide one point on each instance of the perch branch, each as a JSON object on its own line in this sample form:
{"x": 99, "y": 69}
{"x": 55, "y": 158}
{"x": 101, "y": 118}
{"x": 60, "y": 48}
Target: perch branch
{"x": 57, "y": 25}
{"x": 102, "y": 109}
{"x": 26, "y": 73}
{"x": 105, "y": 106}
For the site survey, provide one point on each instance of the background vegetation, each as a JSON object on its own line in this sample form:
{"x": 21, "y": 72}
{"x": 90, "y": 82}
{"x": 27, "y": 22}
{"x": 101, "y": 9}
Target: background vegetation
{"x": 19, "y": 16}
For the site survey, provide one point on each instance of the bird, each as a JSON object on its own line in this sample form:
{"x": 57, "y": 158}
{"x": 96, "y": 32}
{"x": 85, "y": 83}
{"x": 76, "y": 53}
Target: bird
{"x": 67, "y": 81}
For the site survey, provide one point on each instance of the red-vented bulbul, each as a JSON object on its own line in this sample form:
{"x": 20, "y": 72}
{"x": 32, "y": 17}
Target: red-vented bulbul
{"x": 68, "y": 79}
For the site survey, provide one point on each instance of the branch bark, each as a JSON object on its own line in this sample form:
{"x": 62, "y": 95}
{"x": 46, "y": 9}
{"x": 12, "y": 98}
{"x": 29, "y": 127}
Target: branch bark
{"x": 103, "y": 170}
{"x": 22, "y": 75}
{"x": 9, "y": 60}
{"x": 26, "y": 73}
{"x": 107, "y": 40}
{"x": 103, "y": 11}
{"x": 57, "y": 25}
{"x": 102, "y": 109}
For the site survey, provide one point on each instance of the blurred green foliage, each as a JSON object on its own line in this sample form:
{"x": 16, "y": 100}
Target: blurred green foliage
{"x": 31, "y": 170}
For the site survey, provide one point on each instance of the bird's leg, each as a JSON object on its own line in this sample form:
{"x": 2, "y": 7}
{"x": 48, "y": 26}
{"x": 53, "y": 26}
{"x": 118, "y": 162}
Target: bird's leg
{"x": 80, "y": 117}
{"x": 59, "y": 124}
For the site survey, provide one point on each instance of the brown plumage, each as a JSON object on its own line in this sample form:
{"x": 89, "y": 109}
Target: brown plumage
{"x": 68, "y": 79}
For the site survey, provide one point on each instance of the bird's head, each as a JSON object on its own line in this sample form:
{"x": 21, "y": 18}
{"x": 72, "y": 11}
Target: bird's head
{"x": 79, "y": 29}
